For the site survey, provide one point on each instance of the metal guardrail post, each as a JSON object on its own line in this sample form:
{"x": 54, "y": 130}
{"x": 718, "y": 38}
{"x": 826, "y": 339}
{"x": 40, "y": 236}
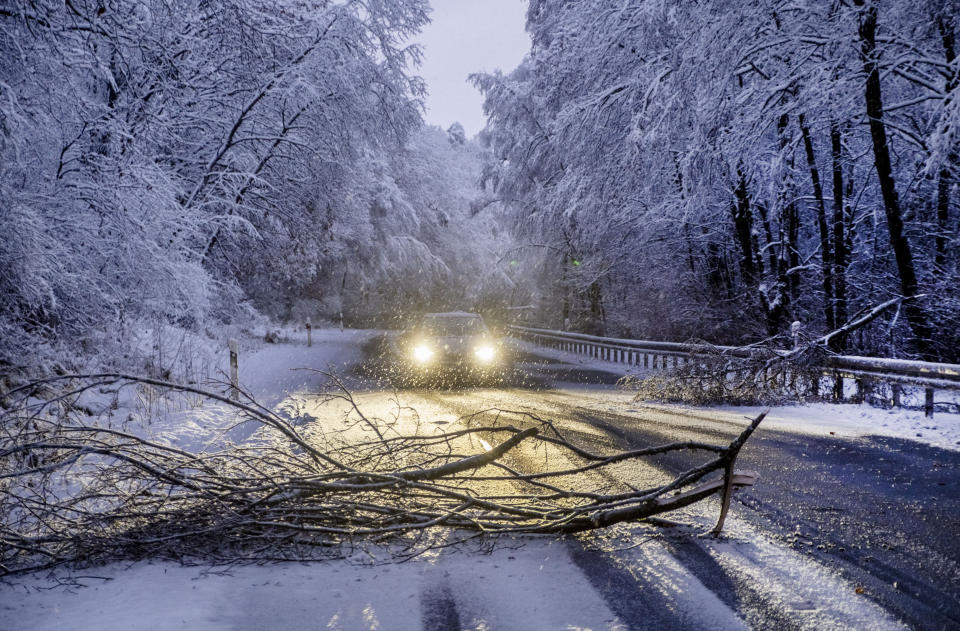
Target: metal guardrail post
{"x": 861, "y": 394}
{"x": 837, "y": 386}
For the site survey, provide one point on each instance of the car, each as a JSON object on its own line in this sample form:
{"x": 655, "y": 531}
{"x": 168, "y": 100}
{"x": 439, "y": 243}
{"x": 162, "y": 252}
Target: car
{"x": 455, "y": 344}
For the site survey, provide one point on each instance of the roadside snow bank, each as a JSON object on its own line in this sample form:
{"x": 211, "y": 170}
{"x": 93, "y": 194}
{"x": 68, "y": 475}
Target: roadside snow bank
{"x": 273, "y": 375}
{"x": 273, "y": 372}
{"x": 842, "y": 420}
{"x": 845, "y": 419}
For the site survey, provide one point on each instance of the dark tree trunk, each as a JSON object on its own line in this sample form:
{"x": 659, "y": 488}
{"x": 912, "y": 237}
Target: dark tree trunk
{"x": 943, "y": 218}
{"x": 777, "y": 300}
{"x": 839, "y": 241}
{"x": 768, "y": 233}
{"x": 945, "y": 176}
{"x": 686, "y": 226}
{"x": 826, "y": 252}
{"x": 916, "y": 316}
{"x": 718, "y": 274}
{"x": 758, "y": 259}
{"x": 565, "y": 288}
{"x": 691, "y": 262}
{"x": 789, "y": 223}
{"x": 597, "y": 312}
{"x": 849, "y": 194}
{"x": 743, "y": 225}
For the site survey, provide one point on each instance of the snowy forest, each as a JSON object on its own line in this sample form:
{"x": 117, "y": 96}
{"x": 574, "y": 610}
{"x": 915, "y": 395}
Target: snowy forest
{"x": 653, "y": 169}
{"x": 189, "y": 164}
{"x": 721, "y": 170}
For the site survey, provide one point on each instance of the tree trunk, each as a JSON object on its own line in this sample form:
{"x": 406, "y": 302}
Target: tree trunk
{"x": 839, "y": 242}
{"x": 743, "y": 224}
{"x": 826, "y": 251}
{"x": 777, "y": 299}
{"x": 945, "y": 177}
{"x": 597, "y": 312}
{"x": 686, "y": 226}
{"x": 565, "y": 289}
{"x": 916, "y": 317}
{"x": 718, "y": 274}
{"x": 789, "y": 222}
{"x": 943, "y": 218}
{"x": 768, "y": 233}
{"x": 849, "y": 194}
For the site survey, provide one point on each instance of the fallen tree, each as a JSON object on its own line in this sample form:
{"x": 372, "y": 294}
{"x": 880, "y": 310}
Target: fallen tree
{"x": 76, "y": 490}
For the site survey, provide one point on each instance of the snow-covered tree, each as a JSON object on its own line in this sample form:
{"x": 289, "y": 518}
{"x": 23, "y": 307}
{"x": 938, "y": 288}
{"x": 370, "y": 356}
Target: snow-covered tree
{"x": 718, "y": 170}
{"x": 164, "y": 160}
{"x": 419, "y": 242}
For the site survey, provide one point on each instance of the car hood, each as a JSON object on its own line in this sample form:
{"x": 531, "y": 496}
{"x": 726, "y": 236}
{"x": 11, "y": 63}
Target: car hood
{"x": 451, "y": 344}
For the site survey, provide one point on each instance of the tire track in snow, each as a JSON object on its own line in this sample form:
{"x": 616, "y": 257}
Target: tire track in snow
{"x": 438, "y": 609}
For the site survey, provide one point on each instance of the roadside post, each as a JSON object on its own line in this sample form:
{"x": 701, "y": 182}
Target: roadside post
{"x": 309, "y": 333}
{"x": 234, "y": 370}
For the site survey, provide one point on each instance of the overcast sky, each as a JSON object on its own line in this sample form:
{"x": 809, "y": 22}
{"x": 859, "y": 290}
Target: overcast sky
{"x": 468, "y": 36}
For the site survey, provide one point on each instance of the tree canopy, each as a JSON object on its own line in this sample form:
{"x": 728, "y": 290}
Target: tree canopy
{"x": 722, "y": 170}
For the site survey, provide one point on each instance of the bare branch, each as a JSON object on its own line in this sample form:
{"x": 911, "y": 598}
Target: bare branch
{"x": 78, "y": 491}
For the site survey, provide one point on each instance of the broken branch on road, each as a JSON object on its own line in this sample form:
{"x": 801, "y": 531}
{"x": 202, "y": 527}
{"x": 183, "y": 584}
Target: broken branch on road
{"x": 77, "y": 487}
{"x": 758, "y": 373}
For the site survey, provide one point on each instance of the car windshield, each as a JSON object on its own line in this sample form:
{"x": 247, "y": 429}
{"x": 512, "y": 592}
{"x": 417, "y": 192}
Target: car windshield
{"x": 453, "y": 326}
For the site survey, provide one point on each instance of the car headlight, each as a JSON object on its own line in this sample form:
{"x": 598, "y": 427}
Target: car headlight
{"x": 422, "y": 353}
{"x": 485, "y": 353}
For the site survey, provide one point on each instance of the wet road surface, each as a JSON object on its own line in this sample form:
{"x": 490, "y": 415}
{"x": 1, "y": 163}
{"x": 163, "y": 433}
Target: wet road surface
{"x": 877, "y": 516}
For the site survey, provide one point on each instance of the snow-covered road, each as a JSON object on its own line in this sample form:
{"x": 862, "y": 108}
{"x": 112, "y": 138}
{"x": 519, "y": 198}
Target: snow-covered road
{"x": 850, "y": 527}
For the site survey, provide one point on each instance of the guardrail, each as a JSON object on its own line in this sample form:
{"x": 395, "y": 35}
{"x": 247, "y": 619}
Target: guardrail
{"x": 865, "y": 372}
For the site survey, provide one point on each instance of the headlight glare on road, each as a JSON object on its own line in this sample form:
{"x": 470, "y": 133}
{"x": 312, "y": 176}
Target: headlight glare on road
{"x": 485, "y": 353}
{"x": 422, "y": 353}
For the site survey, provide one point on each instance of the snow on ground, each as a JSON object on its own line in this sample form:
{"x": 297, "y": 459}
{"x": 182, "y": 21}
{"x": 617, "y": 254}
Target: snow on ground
{"x": 272, "y": 372}
{"x": 528, "y": 584}
{"x": 815, "y": 596}
{"x": 821, "y": 419}
{"x": 808, "y": 593}
{"x": 845, "y": 420}
{"x": 825, "y": 419}
{"x": 534, "y": 587}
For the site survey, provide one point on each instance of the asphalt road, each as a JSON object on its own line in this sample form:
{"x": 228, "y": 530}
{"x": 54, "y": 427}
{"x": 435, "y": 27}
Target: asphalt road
{"x": 879, "y": 516}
